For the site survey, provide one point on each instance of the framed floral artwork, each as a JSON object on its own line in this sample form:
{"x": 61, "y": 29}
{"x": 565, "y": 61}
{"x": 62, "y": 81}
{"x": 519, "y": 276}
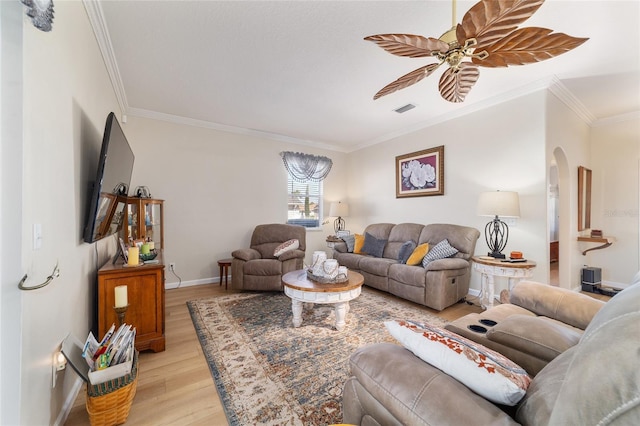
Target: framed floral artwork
{"x": 420, "y": 173}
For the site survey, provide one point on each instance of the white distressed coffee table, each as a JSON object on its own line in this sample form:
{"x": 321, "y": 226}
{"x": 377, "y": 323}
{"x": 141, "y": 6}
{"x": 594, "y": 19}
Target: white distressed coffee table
{"x": 303, "y": 290}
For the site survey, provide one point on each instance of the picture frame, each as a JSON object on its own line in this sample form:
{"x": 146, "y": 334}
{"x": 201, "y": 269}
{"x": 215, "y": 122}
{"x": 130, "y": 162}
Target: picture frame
{"x": 420, "y": 173}
{"x": 123, "y": 250}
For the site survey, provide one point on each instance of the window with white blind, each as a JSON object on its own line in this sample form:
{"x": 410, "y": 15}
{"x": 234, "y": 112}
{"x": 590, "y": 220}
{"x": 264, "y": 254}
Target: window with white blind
{"x": 304, "y": 203}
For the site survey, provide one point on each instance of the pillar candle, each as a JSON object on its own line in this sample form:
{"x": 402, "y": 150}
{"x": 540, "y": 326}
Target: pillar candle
{"x": 121, "y": 296}
{"x": 134, "y": 256}
{"x": 144, "y": 249}
{"x": 152, "y": 245}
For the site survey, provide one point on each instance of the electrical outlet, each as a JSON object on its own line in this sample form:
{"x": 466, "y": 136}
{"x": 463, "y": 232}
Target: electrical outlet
{"x": 172, "y": 266}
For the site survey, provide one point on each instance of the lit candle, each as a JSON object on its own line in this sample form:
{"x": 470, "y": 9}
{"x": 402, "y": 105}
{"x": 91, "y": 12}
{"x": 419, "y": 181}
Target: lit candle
{"x": 121, "y": 296}
{"x": 134, "y": 256}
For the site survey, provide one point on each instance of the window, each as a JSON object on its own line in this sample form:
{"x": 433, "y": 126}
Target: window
{"x": 304, "y": 206}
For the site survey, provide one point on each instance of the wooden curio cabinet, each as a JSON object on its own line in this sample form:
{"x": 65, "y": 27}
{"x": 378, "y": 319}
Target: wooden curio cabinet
{"x": 144, "y": 220}
{"x": 145, "y": 294}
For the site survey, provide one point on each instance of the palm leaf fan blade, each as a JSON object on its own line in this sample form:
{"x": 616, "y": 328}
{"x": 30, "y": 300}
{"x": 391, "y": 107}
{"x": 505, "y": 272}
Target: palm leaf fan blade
{"x": 409, "y": 45}
{"x": 455, "y": 84}
{"x": 526, "y": 46}
{"x": 407, "y": 80}
{"x": 490, "y": 20}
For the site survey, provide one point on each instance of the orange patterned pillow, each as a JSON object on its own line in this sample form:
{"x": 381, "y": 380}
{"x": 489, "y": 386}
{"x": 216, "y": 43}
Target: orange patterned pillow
{"x": 484, "y": 371}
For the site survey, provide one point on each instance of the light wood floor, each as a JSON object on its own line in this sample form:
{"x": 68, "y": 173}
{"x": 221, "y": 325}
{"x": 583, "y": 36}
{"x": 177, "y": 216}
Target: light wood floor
{"x": 175, "y": 386}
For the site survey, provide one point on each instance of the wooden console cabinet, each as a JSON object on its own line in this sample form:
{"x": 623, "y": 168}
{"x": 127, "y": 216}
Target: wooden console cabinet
{"x": 145, "y": 294}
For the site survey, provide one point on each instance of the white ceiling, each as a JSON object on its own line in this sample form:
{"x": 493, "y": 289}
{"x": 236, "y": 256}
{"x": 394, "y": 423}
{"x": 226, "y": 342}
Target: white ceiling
{"x": 301, "y": 71}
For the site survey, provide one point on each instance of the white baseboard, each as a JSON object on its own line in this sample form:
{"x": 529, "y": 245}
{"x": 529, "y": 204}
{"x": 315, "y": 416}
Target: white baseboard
{"x": 474, "y": 292}
{"x": 68, "y": 403}
{"x": 176, "y": 284}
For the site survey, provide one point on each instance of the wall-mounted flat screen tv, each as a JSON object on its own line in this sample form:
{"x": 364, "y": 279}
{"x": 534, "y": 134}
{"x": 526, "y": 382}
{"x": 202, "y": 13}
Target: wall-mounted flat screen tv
{"x": 107, "y": 206}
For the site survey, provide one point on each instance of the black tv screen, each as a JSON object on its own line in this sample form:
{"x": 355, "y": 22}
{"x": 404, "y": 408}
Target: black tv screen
{"x": 107, "y": 206}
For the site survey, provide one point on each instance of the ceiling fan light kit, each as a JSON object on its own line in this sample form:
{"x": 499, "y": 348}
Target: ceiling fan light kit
{"x": 488, "y": 36}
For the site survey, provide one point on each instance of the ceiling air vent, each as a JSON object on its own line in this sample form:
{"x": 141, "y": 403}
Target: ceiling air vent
{"x": 405, "y": 108}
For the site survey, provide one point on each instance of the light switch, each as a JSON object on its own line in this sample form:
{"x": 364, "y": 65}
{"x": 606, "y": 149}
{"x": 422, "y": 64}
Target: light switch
{"x": 37, "y": 236}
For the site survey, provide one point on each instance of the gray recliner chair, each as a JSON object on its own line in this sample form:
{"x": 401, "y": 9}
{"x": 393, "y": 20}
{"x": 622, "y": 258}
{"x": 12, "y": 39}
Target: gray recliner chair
{"x": 256, "y": 267}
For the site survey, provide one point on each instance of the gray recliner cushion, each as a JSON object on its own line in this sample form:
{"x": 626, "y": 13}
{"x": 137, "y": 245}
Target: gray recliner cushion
{"x": 598, "y": 380}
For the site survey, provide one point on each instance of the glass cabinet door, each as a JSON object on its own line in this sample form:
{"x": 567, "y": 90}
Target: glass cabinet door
{"x": 153, "y": 222}
{"x": 132, "y": 220}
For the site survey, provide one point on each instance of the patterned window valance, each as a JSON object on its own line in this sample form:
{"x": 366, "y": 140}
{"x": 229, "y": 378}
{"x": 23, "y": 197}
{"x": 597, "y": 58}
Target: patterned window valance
{"x": 306, "y": 167}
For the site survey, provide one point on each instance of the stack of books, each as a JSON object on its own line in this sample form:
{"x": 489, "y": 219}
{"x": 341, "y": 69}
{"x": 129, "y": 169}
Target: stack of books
{"x": 112, "y": 356}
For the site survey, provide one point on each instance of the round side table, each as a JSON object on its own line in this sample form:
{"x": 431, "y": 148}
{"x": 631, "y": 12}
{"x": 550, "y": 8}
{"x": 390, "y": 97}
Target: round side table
{"x": 490, "y": 268}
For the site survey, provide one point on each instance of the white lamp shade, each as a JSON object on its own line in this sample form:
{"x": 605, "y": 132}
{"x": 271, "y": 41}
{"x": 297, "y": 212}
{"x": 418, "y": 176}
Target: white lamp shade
{"x": 499, "y": 203}
{"x": 339, "y": 210}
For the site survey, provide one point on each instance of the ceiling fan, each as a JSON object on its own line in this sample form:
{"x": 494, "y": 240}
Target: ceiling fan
{"x": 488, "y": 36}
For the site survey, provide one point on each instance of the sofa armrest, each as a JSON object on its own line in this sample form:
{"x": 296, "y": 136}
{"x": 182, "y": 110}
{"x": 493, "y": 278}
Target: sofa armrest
{"x": 540, "y": 337}
{"x": 561, "y": 304}
{"x": 246, "y": 254}
{"x": 412, "y": 391}
{"x": 292, "y": 254}
{"x": 448, "y": 263}
{"x": 340, "y": 246}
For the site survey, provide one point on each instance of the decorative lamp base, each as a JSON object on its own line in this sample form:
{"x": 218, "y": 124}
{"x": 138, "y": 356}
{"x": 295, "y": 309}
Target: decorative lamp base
{"x": 338, "y": 224}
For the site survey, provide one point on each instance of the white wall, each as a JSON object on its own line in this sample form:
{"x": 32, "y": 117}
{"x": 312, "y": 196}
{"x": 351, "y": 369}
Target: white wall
{"x": 217, "y": 186}
{"x": 615, "y": 162}
{"x": 67, "y": 96}
{"x": 10, "y": 214}
{"x": 568, "y": 134}
{"x": 500, "y": 148}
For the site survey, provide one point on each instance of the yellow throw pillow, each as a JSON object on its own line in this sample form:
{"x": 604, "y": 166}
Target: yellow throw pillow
{"x": 418, "y": 254}
{"x": 357, "y": 248}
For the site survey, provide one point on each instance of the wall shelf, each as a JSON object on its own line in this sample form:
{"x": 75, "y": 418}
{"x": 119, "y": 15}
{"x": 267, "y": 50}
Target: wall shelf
{"x": 603, "y": 241}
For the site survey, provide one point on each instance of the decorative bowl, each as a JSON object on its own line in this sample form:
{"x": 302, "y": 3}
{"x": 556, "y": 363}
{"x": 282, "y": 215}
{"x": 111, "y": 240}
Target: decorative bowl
{"x": 149, "y": 256}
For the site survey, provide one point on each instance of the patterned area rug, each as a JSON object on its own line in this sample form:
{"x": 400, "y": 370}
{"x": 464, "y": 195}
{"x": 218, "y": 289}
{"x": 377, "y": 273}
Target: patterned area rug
{"x": 268, "y": 372}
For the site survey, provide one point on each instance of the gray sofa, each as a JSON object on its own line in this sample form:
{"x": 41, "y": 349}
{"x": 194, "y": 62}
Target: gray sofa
{"x": 538, "y": 324}
{"x": 441, "y": 284}
{"x": 595, "y": 382}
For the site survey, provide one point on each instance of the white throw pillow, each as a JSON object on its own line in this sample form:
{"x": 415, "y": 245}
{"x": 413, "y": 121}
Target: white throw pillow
{"x": 286, "y": 246}
{"x": 481, "y": 369}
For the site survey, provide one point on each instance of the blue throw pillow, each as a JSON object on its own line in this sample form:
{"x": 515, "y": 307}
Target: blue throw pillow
{"x": 350, "y": 240}
{"x": 441, "y": 250}
{"x": 373, "y": 246}
{"x": 405, "y": 251}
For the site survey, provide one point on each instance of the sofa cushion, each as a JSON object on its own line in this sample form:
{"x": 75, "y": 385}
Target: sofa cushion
{"x": 358, "y": 243}
{"x": 405, "y": 251}
{"x": 418, "y": 254}
{"x": 541, "y": 337}
{"x": 286, "y": 246}
{"x": 598, "y": 380}
{"x": 442, "y": 250}
{"x": 562, "y": 304}
{"x": 373, "y": 246}
{"x": 376, "y": 266}
{"x": 482, "y": 370}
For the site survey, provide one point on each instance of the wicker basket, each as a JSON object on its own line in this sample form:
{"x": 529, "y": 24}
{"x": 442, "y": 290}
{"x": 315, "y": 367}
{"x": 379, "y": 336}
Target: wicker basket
{"x": 108, "y": 407}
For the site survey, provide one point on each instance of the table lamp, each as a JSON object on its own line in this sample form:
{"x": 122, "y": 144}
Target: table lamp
{"x": 498, "y": 204}
{"x": 338, "y": 209}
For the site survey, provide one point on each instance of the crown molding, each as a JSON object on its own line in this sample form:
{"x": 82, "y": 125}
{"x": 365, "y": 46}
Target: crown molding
{"x": 101, "y": 31}
{"x": 568, "y": 98}
{"x": 634, "y": 115}
{"x": 170, "y": 118}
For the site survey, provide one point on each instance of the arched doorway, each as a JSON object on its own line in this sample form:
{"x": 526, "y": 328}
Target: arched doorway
{"x": 563, "y": 218}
